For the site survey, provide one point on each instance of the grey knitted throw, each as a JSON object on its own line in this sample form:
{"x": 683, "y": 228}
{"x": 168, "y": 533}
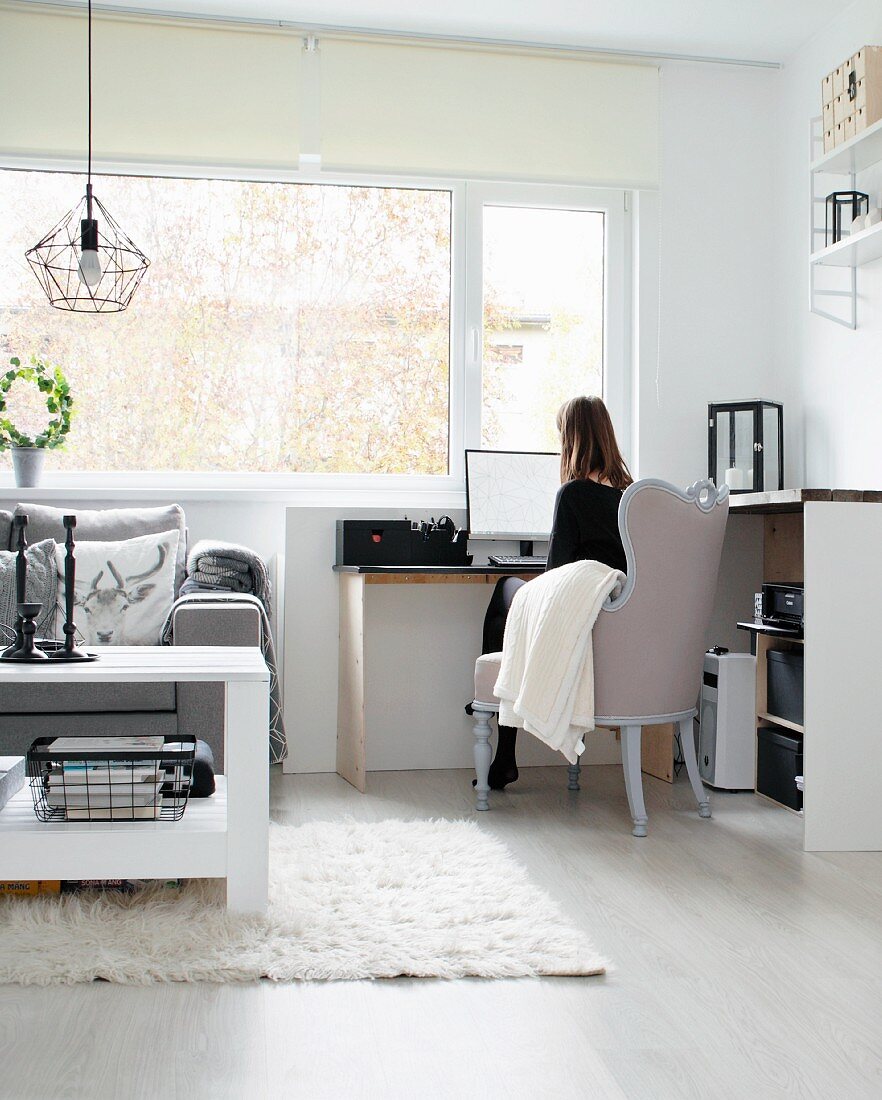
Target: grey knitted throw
{"x": 42, "y": 587}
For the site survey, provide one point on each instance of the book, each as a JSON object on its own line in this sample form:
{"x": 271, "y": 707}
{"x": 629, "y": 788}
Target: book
{"x": 125, "y": 885}
{"x": 87, "y": 776}
{"x": 30, "y": 888}
{"x": 102, "y": 800}
{"x": 114, "y": 745}
{"x": 114, "y": 813}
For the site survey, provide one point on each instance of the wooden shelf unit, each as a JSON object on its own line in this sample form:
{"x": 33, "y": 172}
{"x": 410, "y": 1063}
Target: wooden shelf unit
{"x": 783, "y": 554}
{"x": 828, "y": 540}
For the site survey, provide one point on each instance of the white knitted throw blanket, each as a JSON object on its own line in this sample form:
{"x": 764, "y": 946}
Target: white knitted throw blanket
{"x": 546, "y": 679}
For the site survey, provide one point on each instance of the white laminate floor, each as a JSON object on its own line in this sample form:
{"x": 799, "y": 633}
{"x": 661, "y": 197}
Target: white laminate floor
{"x": 745, "y": 968}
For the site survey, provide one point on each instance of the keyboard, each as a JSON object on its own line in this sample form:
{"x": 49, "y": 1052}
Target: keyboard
{"x": 517, "y": 560}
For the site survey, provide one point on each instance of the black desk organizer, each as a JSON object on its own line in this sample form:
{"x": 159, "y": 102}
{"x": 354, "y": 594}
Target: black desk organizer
{"x": 109, "y": 785}
{"x": 27, "y": 648}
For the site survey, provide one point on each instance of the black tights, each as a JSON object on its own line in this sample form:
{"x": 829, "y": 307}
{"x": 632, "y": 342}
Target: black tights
{"x": 504, "y": 768}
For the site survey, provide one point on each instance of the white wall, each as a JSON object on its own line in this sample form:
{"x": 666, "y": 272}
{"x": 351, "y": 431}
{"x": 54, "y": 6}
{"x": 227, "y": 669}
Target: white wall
{"x": 714, "y": 284}
{"x": 833, "y": 373}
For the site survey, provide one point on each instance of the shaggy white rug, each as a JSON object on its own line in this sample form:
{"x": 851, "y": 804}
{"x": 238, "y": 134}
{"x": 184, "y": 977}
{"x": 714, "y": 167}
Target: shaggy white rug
{"x": 432, "y": 899}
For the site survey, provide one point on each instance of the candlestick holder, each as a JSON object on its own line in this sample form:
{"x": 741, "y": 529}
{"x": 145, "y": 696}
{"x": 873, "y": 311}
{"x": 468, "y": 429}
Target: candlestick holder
{"x": 19, "y": 526}
{"x": 27, "y": 651}
{"x": 67, "y": 651}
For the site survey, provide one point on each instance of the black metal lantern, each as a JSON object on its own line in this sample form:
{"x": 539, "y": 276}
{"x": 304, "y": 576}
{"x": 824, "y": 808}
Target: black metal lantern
{"x": 745, "y": 445}
{"x": 87, "y": 264}
{"x": 842, "y": 206}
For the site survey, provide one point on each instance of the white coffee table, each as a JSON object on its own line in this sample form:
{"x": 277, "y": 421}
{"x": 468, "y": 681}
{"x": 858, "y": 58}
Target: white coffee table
{"x": 225, "y": 836}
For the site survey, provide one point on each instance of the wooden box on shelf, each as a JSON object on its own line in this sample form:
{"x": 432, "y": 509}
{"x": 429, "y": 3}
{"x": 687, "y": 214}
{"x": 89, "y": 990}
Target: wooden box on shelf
{"x": 851, "y": 96}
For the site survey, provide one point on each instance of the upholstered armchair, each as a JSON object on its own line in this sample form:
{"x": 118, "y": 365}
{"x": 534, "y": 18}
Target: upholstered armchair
{"x": 649, "y": 640}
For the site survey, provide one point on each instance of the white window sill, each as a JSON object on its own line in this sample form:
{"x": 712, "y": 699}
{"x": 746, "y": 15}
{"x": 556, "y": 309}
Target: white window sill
{"x": 406, "y": 493}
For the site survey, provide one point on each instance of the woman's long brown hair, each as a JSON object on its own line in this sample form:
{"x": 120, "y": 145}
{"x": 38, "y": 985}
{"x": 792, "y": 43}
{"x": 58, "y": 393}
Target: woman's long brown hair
{"x": 588, "y": 444}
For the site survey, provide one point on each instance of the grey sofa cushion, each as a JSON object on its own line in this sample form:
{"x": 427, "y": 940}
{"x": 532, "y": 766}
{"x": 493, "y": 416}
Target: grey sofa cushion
{"x": 109, "y": 525}
{"x": 5, "y": 530}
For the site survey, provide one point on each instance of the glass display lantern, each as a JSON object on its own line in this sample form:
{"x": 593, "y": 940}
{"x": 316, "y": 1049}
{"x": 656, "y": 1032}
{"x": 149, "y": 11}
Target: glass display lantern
{"x": 746, "y": 445}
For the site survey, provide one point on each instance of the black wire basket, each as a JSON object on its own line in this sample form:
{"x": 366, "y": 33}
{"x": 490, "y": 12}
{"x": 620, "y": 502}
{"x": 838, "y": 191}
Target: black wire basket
{"x": 106, "y": 784}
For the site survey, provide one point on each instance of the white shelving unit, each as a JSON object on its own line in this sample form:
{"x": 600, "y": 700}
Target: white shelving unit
{"x": 833, "y": 295}
{"x": 854, "y": 251}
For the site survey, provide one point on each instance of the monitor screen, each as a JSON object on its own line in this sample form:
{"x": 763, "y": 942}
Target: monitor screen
{"x": 510, "y": 494}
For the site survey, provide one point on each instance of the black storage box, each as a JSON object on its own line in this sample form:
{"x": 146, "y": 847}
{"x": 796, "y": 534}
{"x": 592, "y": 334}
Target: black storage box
{"x": 778, "y": 763}
{"x": 374, "y": 542}
{"x": 398, "y": 542}
{"x": 784, "y": 685}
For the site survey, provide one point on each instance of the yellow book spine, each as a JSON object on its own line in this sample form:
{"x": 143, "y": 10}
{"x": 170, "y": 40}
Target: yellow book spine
{"x": 31, "y": 888}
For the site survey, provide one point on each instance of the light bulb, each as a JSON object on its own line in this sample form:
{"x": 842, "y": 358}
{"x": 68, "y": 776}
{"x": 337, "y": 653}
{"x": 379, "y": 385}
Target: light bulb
{"x": 90, "y": 267}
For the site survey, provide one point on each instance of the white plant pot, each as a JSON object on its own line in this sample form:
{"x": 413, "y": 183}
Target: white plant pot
{"x": 27, "y": 462}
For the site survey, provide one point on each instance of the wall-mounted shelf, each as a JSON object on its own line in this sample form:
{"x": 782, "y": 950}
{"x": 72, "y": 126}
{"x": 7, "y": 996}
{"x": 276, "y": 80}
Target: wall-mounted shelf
{"x": 854, "y": 251}
{"x": 853, "y": 156}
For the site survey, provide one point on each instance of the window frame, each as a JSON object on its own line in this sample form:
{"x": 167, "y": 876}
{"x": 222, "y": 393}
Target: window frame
{"x": 466, "y": 313}
{"x": 614, "y": 205}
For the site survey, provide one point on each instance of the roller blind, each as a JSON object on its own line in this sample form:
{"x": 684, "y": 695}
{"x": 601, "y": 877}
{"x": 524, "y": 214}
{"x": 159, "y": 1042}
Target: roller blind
{"x": 163, "y": 92}
{"x": 521, "y": 115}
{"x": 180, "y": 92}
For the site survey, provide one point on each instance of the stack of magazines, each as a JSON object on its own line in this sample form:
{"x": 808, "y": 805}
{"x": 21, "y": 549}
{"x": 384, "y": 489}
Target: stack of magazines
{"x": 108, "y": 788}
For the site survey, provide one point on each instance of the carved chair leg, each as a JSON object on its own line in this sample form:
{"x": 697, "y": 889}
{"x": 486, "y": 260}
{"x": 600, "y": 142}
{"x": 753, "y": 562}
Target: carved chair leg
{"x": 483, "y": 756}
{"x": 573, "y": 774}
{"x": 631, "y": 739}
{"x": 687, "y": 747}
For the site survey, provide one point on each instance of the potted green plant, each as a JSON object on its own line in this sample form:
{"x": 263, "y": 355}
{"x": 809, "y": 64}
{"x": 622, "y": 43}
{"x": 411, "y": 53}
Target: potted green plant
{"x": 29, "y": 448}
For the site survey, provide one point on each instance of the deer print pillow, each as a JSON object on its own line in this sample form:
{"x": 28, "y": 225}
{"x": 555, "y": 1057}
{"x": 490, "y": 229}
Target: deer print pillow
{"x": 124, "y": 590}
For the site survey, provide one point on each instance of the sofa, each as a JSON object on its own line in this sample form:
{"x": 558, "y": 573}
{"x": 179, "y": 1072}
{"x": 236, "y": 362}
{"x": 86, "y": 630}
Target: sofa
{"x": 29, "y": 711}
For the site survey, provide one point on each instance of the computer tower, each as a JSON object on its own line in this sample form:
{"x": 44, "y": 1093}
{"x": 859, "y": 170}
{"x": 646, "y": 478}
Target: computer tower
{"x": 726, "y": 736}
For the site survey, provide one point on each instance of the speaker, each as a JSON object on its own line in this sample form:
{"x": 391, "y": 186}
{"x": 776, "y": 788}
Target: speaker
{"x": 726, "y": 737}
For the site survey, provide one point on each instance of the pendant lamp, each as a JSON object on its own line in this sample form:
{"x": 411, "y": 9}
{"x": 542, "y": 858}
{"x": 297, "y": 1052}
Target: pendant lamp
{"x": 87, "y": 264}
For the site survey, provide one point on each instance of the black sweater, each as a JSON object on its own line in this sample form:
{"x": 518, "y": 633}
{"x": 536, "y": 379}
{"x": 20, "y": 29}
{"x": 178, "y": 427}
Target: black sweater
{"x": 586, "y": 525}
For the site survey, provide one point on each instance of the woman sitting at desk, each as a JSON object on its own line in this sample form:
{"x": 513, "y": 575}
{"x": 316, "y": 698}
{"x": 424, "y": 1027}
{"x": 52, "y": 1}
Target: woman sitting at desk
{"x": 593, "y": 477}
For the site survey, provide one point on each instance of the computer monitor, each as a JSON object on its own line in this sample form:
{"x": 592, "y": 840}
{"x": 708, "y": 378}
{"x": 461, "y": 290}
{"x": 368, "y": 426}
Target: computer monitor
{"x": 510, "y": 494}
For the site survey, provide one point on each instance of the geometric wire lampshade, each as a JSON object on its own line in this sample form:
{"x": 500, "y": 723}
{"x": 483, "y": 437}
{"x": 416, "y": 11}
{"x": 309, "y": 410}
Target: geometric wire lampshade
{"x": 57, "y": 261}
{"x": 81, "y": 265}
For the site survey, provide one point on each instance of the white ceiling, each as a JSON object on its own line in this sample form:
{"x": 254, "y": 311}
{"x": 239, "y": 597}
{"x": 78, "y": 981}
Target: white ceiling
{"x": 762, "y": 30}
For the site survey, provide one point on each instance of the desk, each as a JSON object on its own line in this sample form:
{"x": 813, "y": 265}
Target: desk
{"x": 350, "y": 692}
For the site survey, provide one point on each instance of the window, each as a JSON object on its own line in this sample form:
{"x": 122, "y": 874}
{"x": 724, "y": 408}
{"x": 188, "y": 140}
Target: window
{"x": 543, "y": 284}
{"x": 281, "y": 327}
{"x": 547, "y": 307}
{"x": 328, "y": 327}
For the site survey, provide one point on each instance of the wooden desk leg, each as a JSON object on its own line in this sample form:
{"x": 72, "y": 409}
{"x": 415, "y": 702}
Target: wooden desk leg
{"x": 350, "y": 692}
{"x": 246, "y": 754}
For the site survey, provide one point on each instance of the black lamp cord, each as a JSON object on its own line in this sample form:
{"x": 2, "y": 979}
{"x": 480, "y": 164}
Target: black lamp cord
{"x": 89, "y": 171}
